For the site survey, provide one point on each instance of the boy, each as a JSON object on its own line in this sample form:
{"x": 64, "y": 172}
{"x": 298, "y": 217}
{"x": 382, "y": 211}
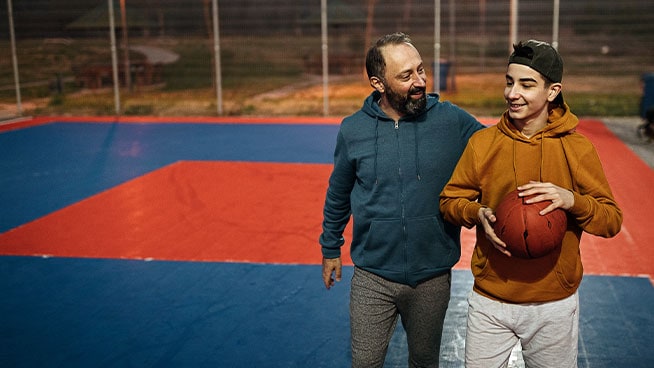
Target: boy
{"x": 535, "y": 149}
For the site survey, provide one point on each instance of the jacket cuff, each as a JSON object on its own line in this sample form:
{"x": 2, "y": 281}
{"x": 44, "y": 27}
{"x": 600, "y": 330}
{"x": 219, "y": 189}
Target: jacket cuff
{"x": 581, "y": 205}
{"x": 331, "y": 252}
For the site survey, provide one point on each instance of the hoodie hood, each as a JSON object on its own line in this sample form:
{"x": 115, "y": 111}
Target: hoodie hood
{"x": 561, "y": 122}
{"x": 371, "y": 107}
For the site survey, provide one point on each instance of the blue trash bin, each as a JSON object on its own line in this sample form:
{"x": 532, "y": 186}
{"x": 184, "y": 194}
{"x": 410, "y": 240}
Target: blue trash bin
{"x": 443, "y": 74}
{"x": 647, "y": 101}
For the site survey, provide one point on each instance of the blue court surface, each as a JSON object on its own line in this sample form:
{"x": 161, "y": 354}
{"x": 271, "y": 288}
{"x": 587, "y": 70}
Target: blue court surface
{"x": 63, "y": 307}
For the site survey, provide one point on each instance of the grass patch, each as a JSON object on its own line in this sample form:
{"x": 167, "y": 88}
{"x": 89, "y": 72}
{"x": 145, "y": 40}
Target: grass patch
{"x": 596, "y": 104}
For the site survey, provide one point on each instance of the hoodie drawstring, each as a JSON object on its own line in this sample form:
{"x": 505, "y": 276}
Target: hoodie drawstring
{"x": 415, "y": 134}
{"x": 416, "y": 151}
{"x": 515, "y": 165}
{"x": 542, "y": 156}
{"x": 376, "y": 148}
{"x": 542, "y": 159}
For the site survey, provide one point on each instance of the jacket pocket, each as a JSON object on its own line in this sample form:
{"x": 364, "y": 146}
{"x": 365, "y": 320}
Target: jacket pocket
{"x": 428, "y": 246}
{"x": 384, "y": 245}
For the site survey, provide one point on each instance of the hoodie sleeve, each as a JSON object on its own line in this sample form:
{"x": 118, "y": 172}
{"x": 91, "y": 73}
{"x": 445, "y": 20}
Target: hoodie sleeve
{"x": 337, "y": 209}
{"x": 595, "y": 209}
{"x": 458, "y": 200}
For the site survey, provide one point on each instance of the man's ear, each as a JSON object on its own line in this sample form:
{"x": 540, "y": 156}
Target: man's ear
{"x": 377, "y": 84}
{"x": 555, "y": 89}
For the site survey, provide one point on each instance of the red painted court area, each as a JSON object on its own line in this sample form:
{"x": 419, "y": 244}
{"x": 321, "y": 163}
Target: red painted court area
{"x": 195, "y": 211}
{"x": 271, "y": 213}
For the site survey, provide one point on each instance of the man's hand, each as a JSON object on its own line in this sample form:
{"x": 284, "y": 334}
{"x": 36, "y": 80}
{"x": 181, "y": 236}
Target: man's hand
{"x": 486, "y": 219}
{"x": 331, "y": 266}
{"x": 560, "y": 197}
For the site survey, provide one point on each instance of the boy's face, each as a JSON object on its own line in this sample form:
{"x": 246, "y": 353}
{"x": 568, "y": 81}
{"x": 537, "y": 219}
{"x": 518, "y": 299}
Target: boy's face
{"x": 527, "y": 94}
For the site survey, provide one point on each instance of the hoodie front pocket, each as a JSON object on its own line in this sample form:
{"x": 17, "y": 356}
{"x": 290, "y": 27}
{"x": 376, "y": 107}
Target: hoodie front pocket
{"x": 428, "y": 247}
{"x": 384, "y": 245}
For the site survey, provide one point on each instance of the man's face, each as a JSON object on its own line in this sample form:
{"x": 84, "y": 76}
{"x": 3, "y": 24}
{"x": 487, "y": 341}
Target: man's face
{"x": 405, "y": 81}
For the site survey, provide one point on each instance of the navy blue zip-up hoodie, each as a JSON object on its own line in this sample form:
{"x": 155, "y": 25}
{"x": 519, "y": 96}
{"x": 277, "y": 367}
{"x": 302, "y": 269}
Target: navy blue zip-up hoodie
{"x": 389, "y": 176}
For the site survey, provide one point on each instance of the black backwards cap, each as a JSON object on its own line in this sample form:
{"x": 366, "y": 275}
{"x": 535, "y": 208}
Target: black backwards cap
{"x": 543, "y": 58}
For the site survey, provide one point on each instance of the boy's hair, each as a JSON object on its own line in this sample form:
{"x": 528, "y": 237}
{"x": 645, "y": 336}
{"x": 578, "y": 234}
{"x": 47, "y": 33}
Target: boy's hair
{"x": 375, "y": 64}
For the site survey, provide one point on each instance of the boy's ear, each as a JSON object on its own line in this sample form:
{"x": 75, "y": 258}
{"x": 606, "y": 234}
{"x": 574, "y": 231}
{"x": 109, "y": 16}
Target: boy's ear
{"x": 555, "y": 89}
{"x": 377, "y": 84}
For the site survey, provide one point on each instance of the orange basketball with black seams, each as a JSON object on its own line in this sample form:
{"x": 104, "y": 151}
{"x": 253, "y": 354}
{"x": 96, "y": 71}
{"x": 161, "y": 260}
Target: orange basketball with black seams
{"x": 526, "y": 232}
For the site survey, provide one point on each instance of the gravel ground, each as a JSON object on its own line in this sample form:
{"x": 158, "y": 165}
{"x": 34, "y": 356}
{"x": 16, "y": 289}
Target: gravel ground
{"x": 626, "y": 129}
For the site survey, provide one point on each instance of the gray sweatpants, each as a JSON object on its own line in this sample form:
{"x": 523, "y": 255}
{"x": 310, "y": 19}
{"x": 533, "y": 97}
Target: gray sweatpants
{"x": 548, "y": 332}
{"x": 375, "y": 305}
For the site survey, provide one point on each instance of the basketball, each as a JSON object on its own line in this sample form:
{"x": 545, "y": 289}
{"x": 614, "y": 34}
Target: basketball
{"x": 527, "y": 233}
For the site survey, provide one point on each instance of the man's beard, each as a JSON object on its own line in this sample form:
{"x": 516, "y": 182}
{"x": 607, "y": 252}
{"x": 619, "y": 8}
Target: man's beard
{"x": 404, "y": 104}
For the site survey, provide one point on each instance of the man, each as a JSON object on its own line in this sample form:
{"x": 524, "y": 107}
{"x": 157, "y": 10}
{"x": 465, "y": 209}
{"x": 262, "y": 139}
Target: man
{"x": 535, "y": 149}
{"x": 392, "y": 159}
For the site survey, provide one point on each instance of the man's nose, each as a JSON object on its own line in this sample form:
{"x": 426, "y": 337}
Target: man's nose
{"x": 420, "y": 80}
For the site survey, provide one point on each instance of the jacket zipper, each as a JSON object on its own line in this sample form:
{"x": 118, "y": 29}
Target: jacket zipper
{"x": 402, "y": 204}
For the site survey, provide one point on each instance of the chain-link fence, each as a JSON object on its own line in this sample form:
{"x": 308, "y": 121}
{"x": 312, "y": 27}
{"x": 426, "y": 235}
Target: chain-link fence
{"x": 298, "y": 57}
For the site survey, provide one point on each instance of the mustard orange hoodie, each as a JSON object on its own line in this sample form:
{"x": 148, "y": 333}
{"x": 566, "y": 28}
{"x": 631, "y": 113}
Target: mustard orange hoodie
{"x": 497, "y": 160}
